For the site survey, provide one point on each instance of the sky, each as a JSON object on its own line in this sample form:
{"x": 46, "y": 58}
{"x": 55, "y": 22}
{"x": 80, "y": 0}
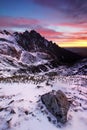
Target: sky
{"x": 61, "y": 21}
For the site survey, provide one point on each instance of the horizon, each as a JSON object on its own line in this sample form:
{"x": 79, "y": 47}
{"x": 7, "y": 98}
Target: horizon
{"x": 59, "y": 44}
{"x": 63, "y": 22}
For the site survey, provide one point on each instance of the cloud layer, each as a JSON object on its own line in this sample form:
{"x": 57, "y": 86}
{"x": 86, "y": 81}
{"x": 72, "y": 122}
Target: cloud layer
{"x": 17, "y": 22}
{"x": 76, "y": 9}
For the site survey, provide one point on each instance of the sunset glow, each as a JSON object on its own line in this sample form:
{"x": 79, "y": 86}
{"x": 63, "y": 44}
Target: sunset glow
{"x": 77, "y": 43}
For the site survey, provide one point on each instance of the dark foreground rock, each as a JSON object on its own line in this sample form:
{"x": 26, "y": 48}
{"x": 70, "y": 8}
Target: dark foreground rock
{"x": 57, "y": 104}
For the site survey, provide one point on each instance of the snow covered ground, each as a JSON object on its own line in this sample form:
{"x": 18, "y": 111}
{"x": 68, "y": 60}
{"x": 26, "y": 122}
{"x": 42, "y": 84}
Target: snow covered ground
{"x": 21, "y": 108}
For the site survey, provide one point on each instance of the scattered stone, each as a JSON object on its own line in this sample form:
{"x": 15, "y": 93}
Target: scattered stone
{"x": 57, "y": 104}
{"x": 75, "y": 110}
{"x": 1, "y": 109}
{"x": 41, "y": 107}
{"x": 8, "y": 121}
{"x": 26, "y": 112}
{"x": 54, "y": 121}
{"x": 30, "y": 112}
{"x": 39, "y": 86}
{"x": 11, "y": 102}
{"x": 12, "y": 111}
{"x": 33, "y": 115}
{"x": 49, "y": 118}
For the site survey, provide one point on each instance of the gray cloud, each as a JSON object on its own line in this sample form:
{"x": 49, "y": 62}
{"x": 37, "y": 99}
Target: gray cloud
{"x": 74, "y": 9}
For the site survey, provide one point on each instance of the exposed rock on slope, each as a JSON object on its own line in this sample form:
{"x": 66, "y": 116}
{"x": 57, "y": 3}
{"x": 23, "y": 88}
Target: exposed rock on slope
{"x": 57, "y": 103}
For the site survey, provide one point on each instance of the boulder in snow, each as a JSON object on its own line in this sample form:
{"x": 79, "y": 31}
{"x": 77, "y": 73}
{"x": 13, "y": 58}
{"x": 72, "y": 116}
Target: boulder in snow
{"x": 57, "y": 104}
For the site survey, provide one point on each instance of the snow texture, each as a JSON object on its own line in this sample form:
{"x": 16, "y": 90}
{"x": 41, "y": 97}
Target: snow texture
{"x": 21, "y": 108}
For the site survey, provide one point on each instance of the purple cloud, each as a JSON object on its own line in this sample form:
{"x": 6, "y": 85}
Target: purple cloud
{"x": 76, "y": 9}
{"x": 17, "y": 22}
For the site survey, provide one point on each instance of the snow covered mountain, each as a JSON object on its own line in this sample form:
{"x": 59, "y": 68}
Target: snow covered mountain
{"x": 29, "y": 52}
{"x": 39, "y": 66}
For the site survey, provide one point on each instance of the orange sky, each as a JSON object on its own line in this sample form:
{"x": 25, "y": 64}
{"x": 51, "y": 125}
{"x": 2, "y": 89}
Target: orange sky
{"x": 77, "y": 43}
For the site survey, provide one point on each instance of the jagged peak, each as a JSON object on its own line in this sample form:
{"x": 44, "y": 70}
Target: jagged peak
{"x": 5, "y": 32}
{"x": 33, "y": 32}
{"x": 32, "y": 41}
{"x": 26, "y": 33}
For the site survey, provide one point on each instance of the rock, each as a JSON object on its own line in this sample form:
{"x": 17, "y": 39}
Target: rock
{"x": 39, "y": 86}
{"x": 26, "y": 112}
{"x": 57, "y": 104}
{"x": 49, "y": 119}
{"x": 1, "y": 109}
{"x": 10, "y": 102}
{"x": 12, "y": 111}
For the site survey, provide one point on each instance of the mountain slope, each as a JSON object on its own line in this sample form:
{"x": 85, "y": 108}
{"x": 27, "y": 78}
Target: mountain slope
{"x": 29, "y": 52}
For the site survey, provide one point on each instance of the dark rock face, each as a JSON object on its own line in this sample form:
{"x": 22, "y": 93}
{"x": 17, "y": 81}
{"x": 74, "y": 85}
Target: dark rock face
{"x": 33, "y": 41}
{"x": 57, "y": 104}
{"x": 83, "y": 70}
{"x": 9, "y": 50}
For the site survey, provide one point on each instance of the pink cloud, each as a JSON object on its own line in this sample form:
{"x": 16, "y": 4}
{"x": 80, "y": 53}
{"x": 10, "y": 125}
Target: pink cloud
{"x": 60, "y": 36}
{"x": 71, "y": 24}
{"x": 48, "y": 32}
{"x": 17, "y": 22}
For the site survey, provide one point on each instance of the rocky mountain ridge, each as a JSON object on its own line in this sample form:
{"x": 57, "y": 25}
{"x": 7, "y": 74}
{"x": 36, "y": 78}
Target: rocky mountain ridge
{"x": 29, "y": 52}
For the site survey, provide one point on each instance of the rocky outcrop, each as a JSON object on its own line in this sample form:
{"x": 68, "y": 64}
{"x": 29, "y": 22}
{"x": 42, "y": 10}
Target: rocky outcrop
{"x": 8, "y": 50}
{"x": 57, "y": 104}
{"x": 31, "y": 53}
{"x": 34, "y": 42}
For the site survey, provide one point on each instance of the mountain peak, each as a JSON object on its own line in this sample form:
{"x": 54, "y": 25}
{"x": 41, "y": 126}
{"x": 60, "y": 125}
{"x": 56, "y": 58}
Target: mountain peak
{"x": 26, "y": 33}
{"x": 33, "y": 32}
{"x": 5, "y": 32}
{"x": 33, "y": 42}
